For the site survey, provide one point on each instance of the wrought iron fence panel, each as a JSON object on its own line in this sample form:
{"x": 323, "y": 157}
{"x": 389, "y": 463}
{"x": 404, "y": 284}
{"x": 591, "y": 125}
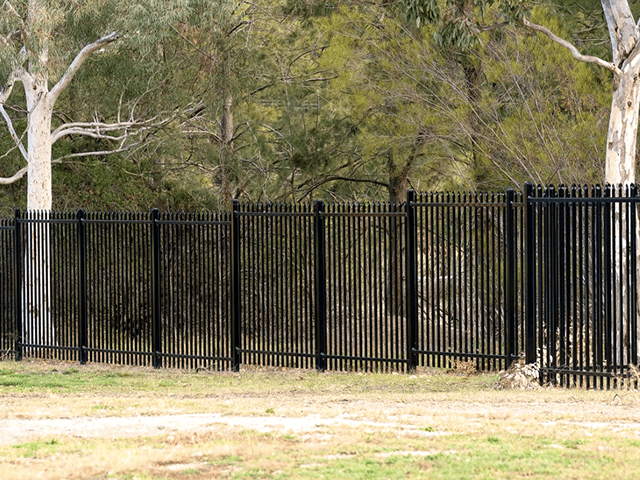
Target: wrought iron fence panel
{"x": 464, "y": 279}
{"x": 277, "y": 284}
{"x": 366, "y": 296}
{"x": 584, "y": 279}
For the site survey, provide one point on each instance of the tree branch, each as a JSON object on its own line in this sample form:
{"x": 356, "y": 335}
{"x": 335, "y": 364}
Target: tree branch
{"x": 5, "y": 90}
{"x": 5, "y": 93}
{"x": 77, "y": 63}
{"x": 137, "y": 131}
{"x": 13, "y": 11}
{"x": 94, "y": 129}
{"x": 19, "y": 175}
{"x": 101, "y": 153}
{"x": 214, "y": 60}
{"x": 336, "y": 178}
{"x": 574, "y": 51}
{"x": 12, "y": 131}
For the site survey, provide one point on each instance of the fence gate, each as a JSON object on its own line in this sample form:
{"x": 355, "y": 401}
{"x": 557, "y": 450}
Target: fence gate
{"x": 581, "y": 250}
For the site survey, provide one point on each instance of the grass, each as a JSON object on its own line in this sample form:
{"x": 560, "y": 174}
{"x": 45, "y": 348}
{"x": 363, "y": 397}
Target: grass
{"x": 434, "y": 425}
{"x": 352, "y": 456}
{"x": 37, "y": 448}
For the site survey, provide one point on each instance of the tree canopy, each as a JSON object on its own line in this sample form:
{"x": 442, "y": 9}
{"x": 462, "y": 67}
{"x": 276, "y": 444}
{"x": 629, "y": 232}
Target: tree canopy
{"x": 281, "y": 100}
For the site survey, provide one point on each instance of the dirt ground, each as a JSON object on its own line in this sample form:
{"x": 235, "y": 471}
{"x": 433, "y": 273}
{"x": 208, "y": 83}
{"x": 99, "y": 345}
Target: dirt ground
{"x": 27, "y": 417}
{"x": 322, "y": 416}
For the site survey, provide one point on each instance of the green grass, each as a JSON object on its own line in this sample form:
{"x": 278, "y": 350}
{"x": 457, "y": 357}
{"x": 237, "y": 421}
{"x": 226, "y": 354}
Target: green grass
{"x": 25, "y": 377}
{"x": 38, "y": 448}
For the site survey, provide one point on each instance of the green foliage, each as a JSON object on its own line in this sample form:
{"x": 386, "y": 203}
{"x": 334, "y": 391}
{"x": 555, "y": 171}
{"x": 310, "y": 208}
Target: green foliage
{"x": 459, "y": 23}
{"x": 330, "y": 99}
{"x": 550, "y": 123}
{"x": 306, "y": 9}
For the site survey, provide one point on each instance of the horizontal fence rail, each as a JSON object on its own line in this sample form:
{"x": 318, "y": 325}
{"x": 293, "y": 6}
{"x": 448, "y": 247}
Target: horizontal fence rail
{"x": 436, "y": 281}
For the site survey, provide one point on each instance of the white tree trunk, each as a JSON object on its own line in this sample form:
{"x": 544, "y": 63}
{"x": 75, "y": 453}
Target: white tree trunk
{"x": 620, "y": 170}
{"x": 621, "y": 157}
{"x": 35, "y": 23}
{"x": 623, "y": 128}
{"x": 39, "y": 147}
{"x": 37, "y": 323}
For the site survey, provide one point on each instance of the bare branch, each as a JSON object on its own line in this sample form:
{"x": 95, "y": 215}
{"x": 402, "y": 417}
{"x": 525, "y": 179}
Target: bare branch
{"x": 101, "y": 153}
{"x": 5, "y": 93}
{"x": 19, "y": 175}
{"x": 13, "y": 11}
{"x": 94, "y": 129}
{"x": 334, "y": 178}
{"x": 78, "y": 61}
{"x": 194, "y": 45}
{"x": 12, "y": 131}
{"x": 136, "y": 131}
{"x": 574, "y": 51}
{"x": 96, "y": 135}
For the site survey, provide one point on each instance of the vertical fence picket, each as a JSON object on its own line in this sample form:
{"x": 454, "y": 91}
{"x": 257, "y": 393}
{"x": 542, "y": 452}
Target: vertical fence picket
{"x": 236, "y": 333}
{"x": 156, "y": 331}
{"x": 530, "y": 276}
{"x": 320, "y": 283}
{"x": 510, "y": 278}
{"x": 411, "y": 282}
{"x": 633, "y": 280}
{"x": 17, "y": 282}
{"x": 82, "y": 287}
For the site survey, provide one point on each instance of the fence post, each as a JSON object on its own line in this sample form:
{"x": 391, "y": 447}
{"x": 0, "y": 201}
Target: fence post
{"x": 82, "y": 285}
{"x": 155, "y": 275}
{"x": 633, "y": 272}
{"x": 510, "y": 277}
{"x": 609, "y": 279}
{"x": 17, "y": 283}
{"x": 530, "y": 276}
{"x": 320, "y": 281}
{"x": 412, "y": 282}
{"x": 236, "y": 330}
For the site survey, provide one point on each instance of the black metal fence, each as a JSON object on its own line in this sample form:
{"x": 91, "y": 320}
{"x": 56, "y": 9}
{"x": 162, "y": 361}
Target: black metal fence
{"x": 582, "y": 284}
{"x": 439, "y": 279}
{"x": 470, "y": 275}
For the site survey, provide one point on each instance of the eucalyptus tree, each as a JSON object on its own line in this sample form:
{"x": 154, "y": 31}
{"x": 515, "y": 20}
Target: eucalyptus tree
{"x": 30, "y": 57}
{"x": 43, "y": 49}
{"x": 41, "y": 53}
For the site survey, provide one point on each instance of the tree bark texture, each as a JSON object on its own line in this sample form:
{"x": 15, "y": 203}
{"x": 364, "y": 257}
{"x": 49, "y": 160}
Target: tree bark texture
{"x": 40, "y": 111}
{"x": 620, "y": 166}
{"x": 623, "y": 126}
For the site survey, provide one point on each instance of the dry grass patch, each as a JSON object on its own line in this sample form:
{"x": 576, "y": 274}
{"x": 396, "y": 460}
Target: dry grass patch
{"x": 301, "y": 424}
